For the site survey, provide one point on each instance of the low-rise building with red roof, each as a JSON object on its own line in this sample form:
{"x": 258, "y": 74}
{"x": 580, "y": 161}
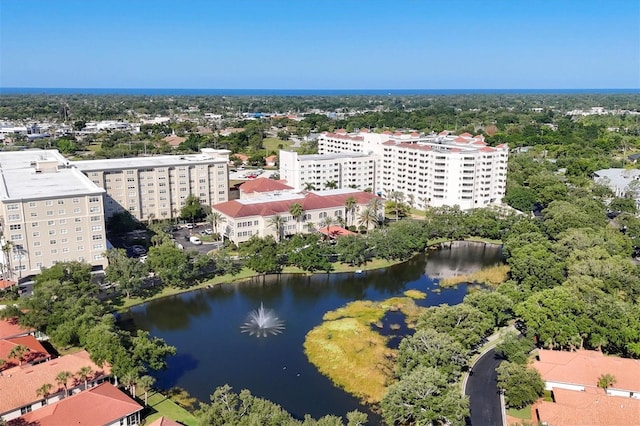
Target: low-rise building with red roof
{"x": 35, "y": 353}
{"x": 163, "y": 421}
{"x": 19, "y": 385}
{"x": 245, "y": 218}
{"x": 263, "y": 187}
{"x": 9, "y": 327}
{"x": 101, "y": 405}
{"x": 577, "y": 399}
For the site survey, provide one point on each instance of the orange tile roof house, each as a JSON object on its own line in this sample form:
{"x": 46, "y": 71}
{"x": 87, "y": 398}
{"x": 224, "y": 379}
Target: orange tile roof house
{"x": 19, "y": 385}
{"x": 36, "y": 352}
{"x": 573, "y": 377}
{"x": 10, "y": 328}
{"x": 163, "y": 421}
{"x": 263, "y": 186}
{"x": 102, "y": 405}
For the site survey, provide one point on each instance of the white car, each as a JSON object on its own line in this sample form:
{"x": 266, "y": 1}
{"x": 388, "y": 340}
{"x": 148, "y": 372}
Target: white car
{"x": 195, "y": 240}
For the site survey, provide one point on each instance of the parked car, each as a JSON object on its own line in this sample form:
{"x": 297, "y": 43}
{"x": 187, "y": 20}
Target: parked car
{"x": 189, "y": 226}
{"x": 195, "y": 240}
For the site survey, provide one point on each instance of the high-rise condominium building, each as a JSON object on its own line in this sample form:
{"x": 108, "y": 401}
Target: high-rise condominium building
{"x": 429, "y": 170}
{"x": 49, "y": 212}
{"x": 157, "y": 187}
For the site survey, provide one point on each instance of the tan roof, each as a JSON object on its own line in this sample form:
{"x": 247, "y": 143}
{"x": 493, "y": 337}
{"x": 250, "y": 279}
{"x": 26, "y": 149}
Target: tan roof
{"x": 18, "y": 385}
{"x": 10, "y": 328}
{"x": 174, "y": 140}
{"x": 36, "y": 351}
{"x": 585, "y": 367}
{"x": 100, "y": 405}
{"x": 6, "y": 284}
{"x": 592, "y": 408}
{"x": 264, "y": 185}
{"x": 163, "y": 421}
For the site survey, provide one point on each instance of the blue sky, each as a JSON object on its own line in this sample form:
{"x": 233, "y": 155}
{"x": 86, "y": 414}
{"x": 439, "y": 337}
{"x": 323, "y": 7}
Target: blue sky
{"x": 321, "y": 44}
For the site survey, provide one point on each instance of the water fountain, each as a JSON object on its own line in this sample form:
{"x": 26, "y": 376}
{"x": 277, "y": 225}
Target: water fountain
{"x": 262, "y": 323}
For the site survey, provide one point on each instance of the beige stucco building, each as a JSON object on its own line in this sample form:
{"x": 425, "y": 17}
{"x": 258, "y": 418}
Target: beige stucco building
{"x": 49, "y": 212}
{"x": 156, "y": 187}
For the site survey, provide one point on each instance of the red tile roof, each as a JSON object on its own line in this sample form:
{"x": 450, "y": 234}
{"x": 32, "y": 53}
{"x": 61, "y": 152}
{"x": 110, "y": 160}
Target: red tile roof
{"x": 18, "y": 385}
{"x": 309, "y": 201}
{"x": 593, "y": 408}
{"x": 460, "y": 139}
{"x": 585, "y": 367}
{"x": 100, "y": 405}
{"x": 10, "y": 328}
{"x": 264, "y": 185}
{"x": 163, "y": 421}
{"x": 466, "y": 135}
{"x": 36, "y": 351}
{"x": 6, "y": 284}
{"x": 335, "y": 231}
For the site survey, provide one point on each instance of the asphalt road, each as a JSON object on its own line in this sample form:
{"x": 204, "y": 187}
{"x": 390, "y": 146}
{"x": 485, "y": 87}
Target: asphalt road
{"x": 482, "y": 388}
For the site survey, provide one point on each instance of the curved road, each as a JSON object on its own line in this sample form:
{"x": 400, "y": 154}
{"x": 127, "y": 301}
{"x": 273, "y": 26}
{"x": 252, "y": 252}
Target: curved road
{"x": 482, "y": 388}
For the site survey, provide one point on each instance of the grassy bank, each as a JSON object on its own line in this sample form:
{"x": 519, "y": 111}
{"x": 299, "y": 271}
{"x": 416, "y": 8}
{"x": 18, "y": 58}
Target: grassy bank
{"x": 491, "y": 276}
{"x": 346, "y": 348}
{"x": 160, "y": 405}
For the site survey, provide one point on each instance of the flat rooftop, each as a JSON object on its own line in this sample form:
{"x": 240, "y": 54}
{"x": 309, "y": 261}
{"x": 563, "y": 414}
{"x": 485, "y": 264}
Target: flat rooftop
{"x": 148, "y": 162}
{"x": 333, "y": 156}
{"x": 20, "y": 179}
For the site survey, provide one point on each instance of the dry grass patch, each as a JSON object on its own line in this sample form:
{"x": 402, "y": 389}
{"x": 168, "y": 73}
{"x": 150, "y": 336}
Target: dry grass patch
{"x": 491, "y": 276}
{"x": 415, "y": 294}
{"x": 353, "y": 356}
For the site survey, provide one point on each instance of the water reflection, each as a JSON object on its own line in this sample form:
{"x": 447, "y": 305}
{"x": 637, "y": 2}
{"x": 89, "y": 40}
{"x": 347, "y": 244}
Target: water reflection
{"x": 204, "y": 327}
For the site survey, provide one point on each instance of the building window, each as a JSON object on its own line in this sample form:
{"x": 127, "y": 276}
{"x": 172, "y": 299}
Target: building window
{"x": 94, "y": 199}
{"x": 34, "y": 214}
{"x": 51, "y": 222}
{"x": 16, "y": 227}
{"x": 49, "y": 212}
{"x": 48, "y": 203}
{"x": 32, "y": 204}
{"x": 34, "y": 224}
{"x": 13, "y": 207}
{"x": 36, "y": 234}
{"x": 76, "y": 210}
{"x": 60, "y": 202}
{"x": 61, "y": 212}
{"x": 76, "y": 200}
{"x": 96, "y": 237}
{"x": 25, "y": 410}
{"x": 16, "y": 237}
{"x": 96, "y": 228}
{"x": 14, "y": 217}
{"x": 52, "y": 242}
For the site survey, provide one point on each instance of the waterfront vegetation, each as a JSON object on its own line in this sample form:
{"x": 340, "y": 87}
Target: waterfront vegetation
{"x": 490, "y": 276}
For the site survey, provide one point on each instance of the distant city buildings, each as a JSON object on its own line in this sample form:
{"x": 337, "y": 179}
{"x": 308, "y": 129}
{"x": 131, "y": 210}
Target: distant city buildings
{"x": 429, "y": 170}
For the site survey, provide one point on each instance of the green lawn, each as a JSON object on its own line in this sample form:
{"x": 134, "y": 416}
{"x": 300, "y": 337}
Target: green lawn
{"x": 271, "y": 144}
{"x": 522, "y": 413}
{"x": 160, "y": 405}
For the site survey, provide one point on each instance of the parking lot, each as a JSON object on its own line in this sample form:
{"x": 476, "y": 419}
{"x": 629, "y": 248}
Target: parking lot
{"x": 182, "y": 236}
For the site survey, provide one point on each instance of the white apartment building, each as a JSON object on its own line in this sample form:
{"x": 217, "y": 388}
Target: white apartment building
{"x": 347, "y": 170}
{"x": 156, "y": 187}
{"x": 49, "y": 213}
{"x": 245, "y": 218}
{"x": 430, "y": 170}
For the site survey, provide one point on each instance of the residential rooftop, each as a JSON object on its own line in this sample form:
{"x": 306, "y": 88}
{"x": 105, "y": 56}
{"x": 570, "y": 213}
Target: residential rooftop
{"x": 39, "y": 174}
{"x": 207, "y": 156}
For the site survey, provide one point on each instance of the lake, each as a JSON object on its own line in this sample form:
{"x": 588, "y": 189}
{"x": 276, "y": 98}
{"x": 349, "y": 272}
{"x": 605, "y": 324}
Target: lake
{"x": 204, "y": 326}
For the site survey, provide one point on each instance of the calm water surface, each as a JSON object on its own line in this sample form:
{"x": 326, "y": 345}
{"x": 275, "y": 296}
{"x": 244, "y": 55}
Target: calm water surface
{"x": 204, "y": 326}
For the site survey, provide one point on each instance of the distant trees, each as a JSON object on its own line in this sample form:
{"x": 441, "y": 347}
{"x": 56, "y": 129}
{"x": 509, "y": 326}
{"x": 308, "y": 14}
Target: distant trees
{"x": 192, "y": 209}
{"x": 522, "y": 385}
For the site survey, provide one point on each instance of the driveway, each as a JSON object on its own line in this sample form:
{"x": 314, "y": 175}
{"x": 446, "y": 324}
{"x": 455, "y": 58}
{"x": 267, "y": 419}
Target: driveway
{"x": 182, "y": 236}
{"x": 482, "y": 388}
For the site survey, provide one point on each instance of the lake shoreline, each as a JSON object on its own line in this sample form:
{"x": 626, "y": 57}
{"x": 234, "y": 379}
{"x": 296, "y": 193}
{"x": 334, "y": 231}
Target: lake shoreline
{"x": 247, "y": 275}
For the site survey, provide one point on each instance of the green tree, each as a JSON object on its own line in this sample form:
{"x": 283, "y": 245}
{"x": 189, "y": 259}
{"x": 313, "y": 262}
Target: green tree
{"x": 515, "y": 348}
{"x": 605, "y": 381}
{"x": 522, "y": 386}
{"x": 146, "y": 382}
{"x": 367, "y": 217}
{"x": 428, "y": 348}
{"x": 261, "y": 255}
{"x": 297, "y": 211}
{"x": 18, "y": 351}
{"x": 424, "y": 396}
{"x": 62, "y": 379}
{"x": 497, "y": 305}
{"x": 277, "y": 222}
{"x": 214, "y": 219}
{"x": 170, "y": 264}
{"x": 44, "y": 391}
{"x": 350, "y": 205}
{"x": 397, "y": 197}
{"x": 127, "y": 272}
{"x": 84, "y": 374}
{"x": 192, "y": 209}
{"x": 466, "y": 324}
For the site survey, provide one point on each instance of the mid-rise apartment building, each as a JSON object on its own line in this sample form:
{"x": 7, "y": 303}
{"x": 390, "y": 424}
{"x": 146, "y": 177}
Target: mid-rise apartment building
{"x": 157, "y": 187}
{"x": 341, "y": 170}
{"x": 430, "y": 170}
{"x": 49, "y": 212}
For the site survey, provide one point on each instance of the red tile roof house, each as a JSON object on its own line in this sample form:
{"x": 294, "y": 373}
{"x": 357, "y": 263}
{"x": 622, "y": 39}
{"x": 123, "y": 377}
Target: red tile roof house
{"x": 247, "y": 217}
{"x": 261, "y": 187}
{"x": 573, "y": 377}
{"x": 103, "y": 404}
{"x": 10, "y": 328}
{"x": 19, "y": 385}
{"x": 35, "y": 354}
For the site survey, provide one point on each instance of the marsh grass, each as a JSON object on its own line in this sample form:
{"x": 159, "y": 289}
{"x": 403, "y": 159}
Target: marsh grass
{"x": 415, "y": 294}
{"x": 491, "y": 276}
{"x": 348, "y": 349}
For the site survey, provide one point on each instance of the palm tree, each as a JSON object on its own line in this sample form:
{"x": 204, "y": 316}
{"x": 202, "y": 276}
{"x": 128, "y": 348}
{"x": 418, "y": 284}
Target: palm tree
{"x": 129, "y": 380}
{"x": 331, "y": 184}
{"x": 44, "y": 390}
{"x": 146, "y": 382}
{"x": 18, "y": 351}
{"x": 376, "y": 205}
{"x": 350, "y": 205}
{"x": 327, "y": 222}
{"x": 308, "y": 186}
{"x": 62, "y": 378}
{"x": 277, "y": 222}
{"x": 215, "y": 218}
{"x": 411, "y": 198}
{"x": 6, "y": 249}
{"x": 366, "y": 218}
{"x": 397, "y": 198}
{"x": 297, "y": 211}
{"x": 605, "y": 381}
{"x": 83, "y": 374}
